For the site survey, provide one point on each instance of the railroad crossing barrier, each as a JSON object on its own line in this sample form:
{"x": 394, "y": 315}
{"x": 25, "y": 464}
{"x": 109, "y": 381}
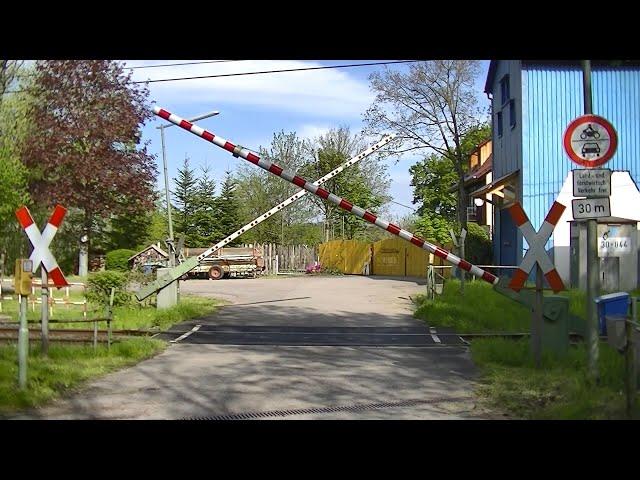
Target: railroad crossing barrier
{"x": 190, "y": 264}
{"x": 239, "y": 151}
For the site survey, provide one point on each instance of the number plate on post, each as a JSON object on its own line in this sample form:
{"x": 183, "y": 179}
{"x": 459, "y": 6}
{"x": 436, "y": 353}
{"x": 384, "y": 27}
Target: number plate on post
{"x": 586, "y": 208}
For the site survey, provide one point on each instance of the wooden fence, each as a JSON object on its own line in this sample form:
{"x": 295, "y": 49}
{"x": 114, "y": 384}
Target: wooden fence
{"x": 389, "y": 257}
{"x": 287, "y": 258}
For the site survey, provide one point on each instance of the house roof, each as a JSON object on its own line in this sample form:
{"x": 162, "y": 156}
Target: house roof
{"x": 480, "y": 171}
{"x": 495, "y": 184}
{"x": 155, "y": 247}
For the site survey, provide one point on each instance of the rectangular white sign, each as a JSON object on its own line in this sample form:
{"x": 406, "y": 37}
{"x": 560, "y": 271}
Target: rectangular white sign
{"x": 591, "y": 208}
{"x": 614, "y": 246}
{"x": 592, "y": 182}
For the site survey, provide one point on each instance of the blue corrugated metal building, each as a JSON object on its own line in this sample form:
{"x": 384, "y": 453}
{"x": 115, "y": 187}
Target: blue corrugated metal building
{"x": 532, "y": 104}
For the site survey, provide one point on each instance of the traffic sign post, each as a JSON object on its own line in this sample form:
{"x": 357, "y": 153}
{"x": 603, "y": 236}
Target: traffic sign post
{"x": 536, "y": 255}
{"x": 592, "y": 182}
{"x": 590, "y": 141}
{"x": 42, "y": 255}
{"x": 588, "y": 208}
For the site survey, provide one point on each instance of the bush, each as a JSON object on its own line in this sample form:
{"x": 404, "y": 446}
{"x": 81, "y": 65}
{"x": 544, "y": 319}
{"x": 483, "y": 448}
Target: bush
{"x": 477, "y": 247}
{"x": 119, "y": 259}
{"x": 100, "y": 284}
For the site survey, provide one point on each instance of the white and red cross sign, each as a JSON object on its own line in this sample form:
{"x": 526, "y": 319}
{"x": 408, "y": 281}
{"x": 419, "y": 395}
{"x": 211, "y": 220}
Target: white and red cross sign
{"x": 41, "y": 242}
{"x": 536, "y": 252}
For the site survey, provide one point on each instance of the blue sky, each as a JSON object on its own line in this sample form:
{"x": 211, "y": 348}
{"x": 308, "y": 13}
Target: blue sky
{"x": 253, "y": 107}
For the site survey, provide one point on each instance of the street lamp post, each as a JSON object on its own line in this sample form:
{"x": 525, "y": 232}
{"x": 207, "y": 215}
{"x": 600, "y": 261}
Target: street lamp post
{"x": 166, "y": 181}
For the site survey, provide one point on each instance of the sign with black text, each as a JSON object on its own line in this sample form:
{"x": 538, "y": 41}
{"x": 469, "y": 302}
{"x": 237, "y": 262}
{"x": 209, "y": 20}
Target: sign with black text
{"x": 586, "y": 208}
{"x": 592, "y": 183}
{"x": 613, "y": 243}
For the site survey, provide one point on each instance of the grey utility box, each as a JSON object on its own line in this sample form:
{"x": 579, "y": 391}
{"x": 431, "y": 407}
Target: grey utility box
{"x": 617, "y": 252}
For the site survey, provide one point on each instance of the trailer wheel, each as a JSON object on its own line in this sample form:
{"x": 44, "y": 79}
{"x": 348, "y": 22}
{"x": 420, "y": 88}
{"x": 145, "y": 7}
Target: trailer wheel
{"x": 227, "y": 275}
{"x": 216, "y": 272}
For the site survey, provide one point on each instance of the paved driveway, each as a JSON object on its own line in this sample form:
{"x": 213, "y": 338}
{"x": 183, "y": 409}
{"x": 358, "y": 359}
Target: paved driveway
{"x": 268, "y": 375}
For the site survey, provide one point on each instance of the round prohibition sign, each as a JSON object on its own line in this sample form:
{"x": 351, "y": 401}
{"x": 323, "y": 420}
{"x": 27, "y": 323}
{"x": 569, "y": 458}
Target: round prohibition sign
{"x": 590, "y": 141}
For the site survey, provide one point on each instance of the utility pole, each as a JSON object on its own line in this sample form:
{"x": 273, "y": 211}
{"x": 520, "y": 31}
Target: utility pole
{"x": 45, "y": 311}
{"x": 593, "y": 266}
{"x": 172, "y": 259}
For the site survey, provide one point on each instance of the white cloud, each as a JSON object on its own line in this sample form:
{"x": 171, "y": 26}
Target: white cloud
{"x": 310, "y": 131}
{"x": 325, "y": 93}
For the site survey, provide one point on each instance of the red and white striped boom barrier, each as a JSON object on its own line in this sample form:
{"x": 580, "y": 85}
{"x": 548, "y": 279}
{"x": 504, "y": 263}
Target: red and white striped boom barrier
{"x": 536, "y": 252}
{"x": 294, "y": 198}
{"x": 239, "y": 151}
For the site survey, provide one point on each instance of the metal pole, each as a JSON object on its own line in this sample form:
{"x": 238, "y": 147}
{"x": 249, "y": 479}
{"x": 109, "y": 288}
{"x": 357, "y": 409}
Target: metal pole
{"x": 166, "y": 190}
{"x": 45, "y": 311}
{"x": 593, "y": 266}
{"x": 536, "y": 327}
{"x": 629, "y": 360}
{"x": 23, "y": 344}
{"x": 462, "y": 272}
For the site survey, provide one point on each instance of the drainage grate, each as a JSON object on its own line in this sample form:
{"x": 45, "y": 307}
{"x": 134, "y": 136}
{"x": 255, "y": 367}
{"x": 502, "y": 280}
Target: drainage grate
{"x": 349, "y": 408}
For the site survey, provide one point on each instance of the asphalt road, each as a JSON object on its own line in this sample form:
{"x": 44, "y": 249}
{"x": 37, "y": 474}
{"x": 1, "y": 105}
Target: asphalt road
{"x": 293, "y": 348}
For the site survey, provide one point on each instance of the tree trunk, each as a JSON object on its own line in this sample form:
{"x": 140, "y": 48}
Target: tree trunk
{"x": 463, "y": 201}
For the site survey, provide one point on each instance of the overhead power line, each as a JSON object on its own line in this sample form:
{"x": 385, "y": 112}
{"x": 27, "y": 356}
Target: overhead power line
{"x": 264, "y": 72}
{"x": 402, "y": 205}
{"x": 302, "y": 69}
{"x": 179, "y": 64}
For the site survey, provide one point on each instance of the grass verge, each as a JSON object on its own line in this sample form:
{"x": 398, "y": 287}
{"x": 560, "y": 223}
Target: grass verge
{"x": 131, "y": 317}
{"x": 68, "y": 366}
{"x": 510, "y": 383}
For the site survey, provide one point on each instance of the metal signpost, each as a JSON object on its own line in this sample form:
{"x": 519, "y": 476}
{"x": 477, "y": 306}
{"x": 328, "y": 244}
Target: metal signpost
{"x": 42, "y": 254}
{"x": 590, "y": 141}
{"x": 536, "y": 255}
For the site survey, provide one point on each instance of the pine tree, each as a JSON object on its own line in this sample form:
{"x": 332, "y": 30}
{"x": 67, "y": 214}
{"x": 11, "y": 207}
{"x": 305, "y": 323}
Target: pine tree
{"x": 206, "y": 221}
{"x": 229, "y": 208}
{"x": 186, "y": 201}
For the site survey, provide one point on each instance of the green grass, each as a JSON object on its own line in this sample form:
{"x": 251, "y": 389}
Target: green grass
{"x": 480, "y": 310}
{"x": 132, "y": 317}
{"x": 509, "y": 380}
{"x": 561, "y": 389}
{"x": 66, "y": 367}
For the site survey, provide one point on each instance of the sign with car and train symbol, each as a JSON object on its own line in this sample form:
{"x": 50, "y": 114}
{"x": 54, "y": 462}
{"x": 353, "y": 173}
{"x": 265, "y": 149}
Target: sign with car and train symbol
{"x": 590, "y": 141}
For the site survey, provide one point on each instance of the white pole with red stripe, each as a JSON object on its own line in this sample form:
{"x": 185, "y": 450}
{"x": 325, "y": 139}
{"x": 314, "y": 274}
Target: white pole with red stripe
{"x": 239, "y": 151}
{"x": 536, "y": 252}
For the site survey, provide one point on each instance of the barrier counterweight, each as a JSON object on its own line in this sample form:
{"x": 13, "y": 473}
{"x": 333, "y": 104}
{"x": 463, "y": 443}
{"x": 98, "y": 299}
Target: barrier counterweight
{"x": 239, "y": 151}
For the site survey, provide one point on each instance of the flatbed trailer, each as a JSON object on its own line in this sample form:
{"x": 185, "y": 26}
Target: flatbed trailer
{"x": 227, "y": 262}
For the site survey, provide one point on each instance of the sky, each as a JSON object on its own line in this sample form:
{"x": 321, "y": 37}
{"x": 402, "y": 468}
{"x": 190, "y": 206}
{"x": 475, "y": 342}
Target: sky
{"x": 252, "y": 108}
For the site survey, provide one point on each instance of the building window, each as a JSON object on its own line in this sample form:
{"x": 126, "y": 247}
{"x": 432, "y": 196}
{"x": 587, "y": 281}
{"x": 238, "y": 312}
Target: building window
{"x": 505, "y": 94}
{"x": 512, "y": 113}
{"x": 499, "y": 124}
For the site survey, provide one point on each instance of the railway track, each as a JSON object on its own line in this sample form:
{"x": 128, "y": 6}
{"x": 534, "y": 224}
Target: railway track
{"x": 10, "y": 334}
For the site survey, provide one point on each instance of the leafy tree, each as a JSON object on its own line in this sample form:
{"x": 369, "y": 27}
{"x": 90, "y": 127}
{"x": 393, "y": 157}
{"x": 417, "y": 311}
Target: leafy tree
{"x": 87, "y": 154}
{"x": 364, "y": 184}
{"x": 14, "y": 128}
{"x": 434, "y": 228}
{"x": 259, "y": 191}
{"x": 119, "y": 259}
{"x": 9, "y": 74}
{"x": 431, "y": 179}
{"x": 432, "y": 107}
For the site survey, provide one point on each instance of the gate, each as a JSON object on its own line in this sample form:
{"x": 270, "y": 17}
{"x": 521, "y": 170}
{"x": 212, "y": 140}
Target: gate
{"x": 348, "y": 256}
